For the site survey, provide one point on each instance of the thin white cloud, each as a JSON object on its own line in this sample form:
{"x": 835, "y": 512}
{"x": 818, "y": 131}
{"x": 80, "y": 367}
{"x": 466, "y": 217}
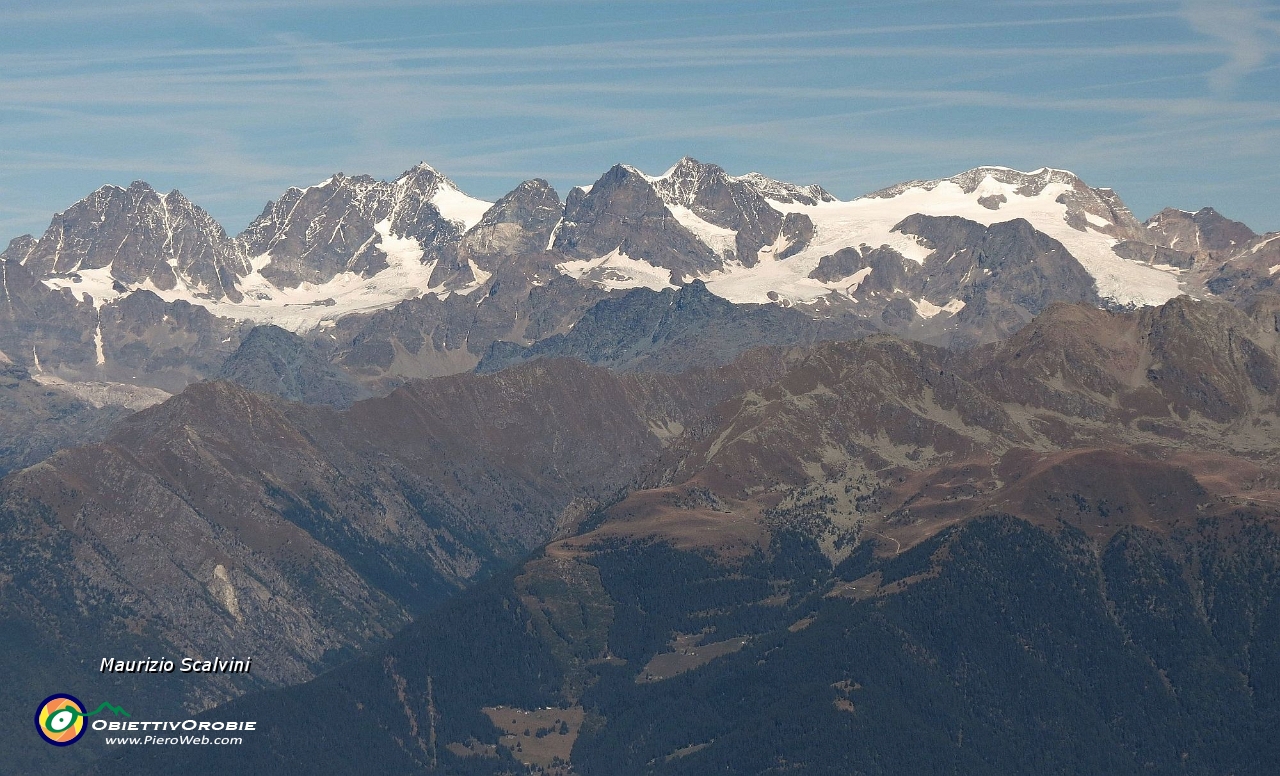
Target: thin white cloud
{"x": 80, "y": 12}
{"x": 1247, "y": 37}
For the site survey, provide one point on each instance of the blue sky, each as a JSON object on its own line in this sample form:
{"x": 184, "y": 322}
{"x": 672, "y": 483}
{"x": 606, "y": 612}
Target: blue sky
{"x": 231, "y": 101}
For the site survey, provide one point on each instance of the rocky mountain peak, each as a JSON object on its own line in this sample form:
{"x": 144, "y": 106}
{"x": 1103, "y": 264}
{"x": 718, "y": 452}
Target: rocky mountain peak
{"x": 18, "y": 248}
{"x": 1205, "y": 231}
{"x": 424, "y": 167}
{"x": 424, "y": 178}
{"x": 681, "y": 184}
{"x": 275, "y": 361}
{"x": 521, "y": 222}
{"x": 619, "y": 173}
{"x": 532, "y": 195}
{"x": 733, "y": 216}
{"x": 786, "y": 193}
{"x": 624, "y": 212}
{"x": 139, "y": 236}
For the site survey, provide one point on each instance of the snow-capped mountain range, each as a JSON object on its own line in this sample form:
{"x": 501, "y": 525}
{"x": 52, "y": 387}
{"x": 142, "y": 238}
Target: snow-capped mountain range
{"x": 392, "y": 280}
{"x": 352, "y": 243}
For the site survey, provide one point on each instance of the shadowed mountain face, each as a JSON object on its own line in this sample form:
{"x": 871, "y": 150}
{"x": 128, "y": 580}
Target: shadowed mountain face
{"x": 669, "y": 330}
{"x": 430, "y": 337}
{"x": 1146, "y": 653}
{"x": 1250, "y": 273}
{"x": 1035, "y": 269}
{"x": 275, "y": 361}
{"x": 224, "y": 522}
{"x": 138, "y": 340}
{"x": 37, "y": 420}
{"x": 862, "y": 558}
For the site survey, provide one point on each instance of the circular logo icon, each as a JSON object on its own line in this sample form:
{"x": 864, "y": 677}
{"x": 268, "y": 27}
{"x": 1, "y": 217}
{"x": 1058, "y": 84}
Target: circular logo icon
{"x": 60, "y": 719}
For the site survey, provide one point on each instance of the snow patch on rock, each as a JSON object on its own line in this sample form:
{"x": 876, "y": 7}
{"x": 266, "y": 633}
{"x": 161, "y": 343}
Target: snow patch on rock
{"x": 457, "y": 206}
{"x": 718, "y": 238}
{"x": 927, "y": 309}
{"x": 617, "y": 270}
{"x": 100, "y": 393}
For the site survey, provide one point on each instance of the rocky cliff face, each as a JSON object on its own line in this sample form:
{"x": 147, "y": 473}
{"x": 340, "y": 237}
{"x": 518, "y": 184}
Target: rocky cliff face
{"x": 693, "y": 220}
{"x": 519, "y": 224}
{"x": 976, "y": 284}
{"x": 741, "y": 205}
{"x": 1249, "y": 273}
{"x": 136, "y": 340}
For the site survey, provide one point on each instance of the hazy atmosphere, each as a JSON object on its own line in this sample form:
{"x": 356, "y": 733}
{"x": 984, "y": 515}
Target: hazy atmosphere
{"x": 231, "y": 101}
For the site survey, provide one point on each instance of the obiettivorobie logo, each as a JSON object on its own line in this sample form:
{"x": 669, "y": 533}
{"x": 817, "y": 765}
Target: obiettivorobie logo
{"x": 60, "y": 718}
